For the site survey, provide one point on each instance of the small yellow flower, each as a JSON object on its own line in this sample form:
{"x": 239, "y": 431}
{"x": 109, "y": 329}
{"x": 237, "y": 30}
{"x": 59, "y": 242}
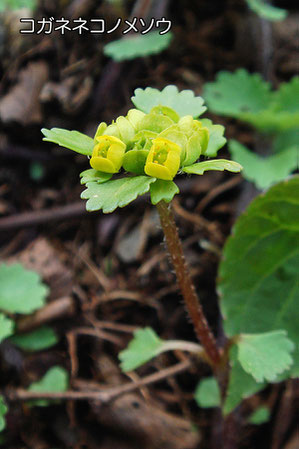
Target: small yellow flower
{"x": 108, "y": 154}
{"x": 163, "y": 160}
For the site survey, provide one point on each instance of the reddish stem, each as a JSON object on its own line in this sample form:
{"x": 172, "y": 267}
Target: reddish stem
{"x": 186, "y": 285}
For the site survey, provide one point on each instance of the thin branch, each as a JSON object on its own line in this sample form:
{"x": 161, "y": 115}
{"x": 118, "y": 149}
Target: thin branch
{"x": 101, "y": 396}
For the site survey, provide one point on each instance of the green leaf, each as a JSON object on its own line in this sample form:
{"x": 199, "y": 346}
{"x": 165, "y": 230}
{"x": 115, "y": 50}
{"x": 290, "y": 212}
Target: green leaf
{"x": 17, "y": 4}
{"x": 115, "y": 193}
{"x": 207, "y": 393}
{"x": 145, "y": 345}
{"x": 285, "y": 140}
{"x": 94, "y": 175}
{"x": 217, "y": 164}
{"x": 260, "y": 416}
{"x": 236, "y": 93}
{"x": 184, "y": 102}
{"x": 136, "y": 46}
{"x": 40, "y": 339}
{"x": 3, "y": 411}
{"x": 240, "y": 386}
{"x": 163, "y": 190}
{"x": 6, "y": 327}
{"x": 266, "y": 355}
{"x": 21, "y": 291}
{"x": 266, "y": 11}
{"x": 73, "y": 140}
{"x": 271, "y": 120}
{"x": 286, "y": 97}
{"x": 264, "y": 171}
{"x": 258, "y": 276}
{"x": 54, "y": 381}
{"x": 216, "y": 140}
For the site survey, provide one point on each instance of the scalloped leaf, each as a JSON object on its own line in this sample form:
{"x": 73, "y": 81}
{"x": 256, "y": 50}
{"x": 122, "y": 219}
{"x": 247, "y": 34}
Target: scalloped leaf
{"x": 240, "y": 386}
{"x": 286, "y": 97}
{"x": 266, "y": 355}
{"x": 216, "y": 139}
{"x": 266, "y": 11}
{"x": 3, "y": 411}
{"x": 258, "y": 276}
{"x": 91, "y": 175}
{"x": 6, "y": 327}
{"x": 21, "y": 290}
{"x": 207, "y": 393}
{"x": 163, "y": 190}
{"x": 37, "y": 340}
{"x": 116, "y": 193}
{"x": 236, "y": 93}
{"x": 139, "y": 45}
{"x": 143, "y": 347}
{"x": 184, "y": 102}
{"x": 217, "y": 164}
{"x": 54, "y": 381}
{"x": 73, "y": 140}
{"x": 264, "y": 171}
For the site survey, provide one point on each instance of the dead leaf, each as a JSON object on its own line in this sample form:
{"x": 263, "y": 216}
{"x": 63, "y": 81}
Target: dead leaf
{"x": 22, "y": 103}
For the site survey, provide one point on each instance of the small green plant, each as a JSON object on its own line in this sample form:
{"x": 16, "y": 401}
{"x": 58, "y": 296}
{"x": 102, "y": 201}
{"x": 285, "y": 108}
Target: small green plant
{"x": 275, "y": 115}
{"x": 143, "y": 153}
{"x": 21, "y": 292}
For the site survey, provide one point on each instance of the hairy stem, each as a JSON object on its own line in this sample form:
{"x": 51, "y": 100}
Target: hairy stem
{"x": 186, "y": 285}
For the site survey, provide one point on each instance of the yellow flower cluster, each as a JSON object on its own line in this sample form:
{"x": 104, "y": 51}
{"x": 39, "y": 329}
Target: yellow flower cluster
{"x": 156, "y": 144}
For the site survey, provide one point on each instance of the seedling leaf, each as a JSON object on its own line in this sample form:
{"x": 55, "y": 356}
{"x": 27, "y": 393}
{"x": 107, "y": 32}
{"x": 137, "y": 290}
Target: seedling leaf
{"x": 264, "y": 171}
{"x": 116, "y": 193}
{"x": 140, "y": 45}
{"x": 217, "y": 164}
{"x": 145, "y": 345}
{"x": 207, "y": 393}
{"x": 73, "y": 140}
{"x": 42, "y": 338}
{"x": 163, "y": 190}
{"x": 3, "y": 411}
{"x": 258, "y": 276}
{"x": 236, "y": 93}
{"x": 21, "y": 290}
{"x": 216, "y": 140}
{"x": 54, "y": 381}
{"x": 266, "y": 11}
{"x": 260, "y": 416}
{"x": 184, "y": 102}
{"x": 6, "y": 327}
{"x": 266, "y": 355}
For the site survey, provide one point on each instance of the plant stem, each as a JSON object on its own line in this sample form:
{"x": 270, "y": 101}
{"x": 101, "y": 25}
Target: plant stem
{"x": 186, "y": 285}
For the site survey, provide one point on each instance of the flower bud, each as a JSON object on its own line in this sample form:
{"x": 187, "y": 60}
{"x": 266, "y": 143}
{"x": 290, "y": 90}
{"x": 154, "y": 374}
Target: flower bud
{"x": 166, "y": 111}
{"x": 163, "y": 160}
{"x": 198, "y": 138}
{"x": 108, "y": 154}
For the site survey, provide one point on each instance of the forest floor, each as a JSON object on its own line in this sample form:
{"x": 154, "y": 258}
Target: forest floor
{"x": 110, "y": 274}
